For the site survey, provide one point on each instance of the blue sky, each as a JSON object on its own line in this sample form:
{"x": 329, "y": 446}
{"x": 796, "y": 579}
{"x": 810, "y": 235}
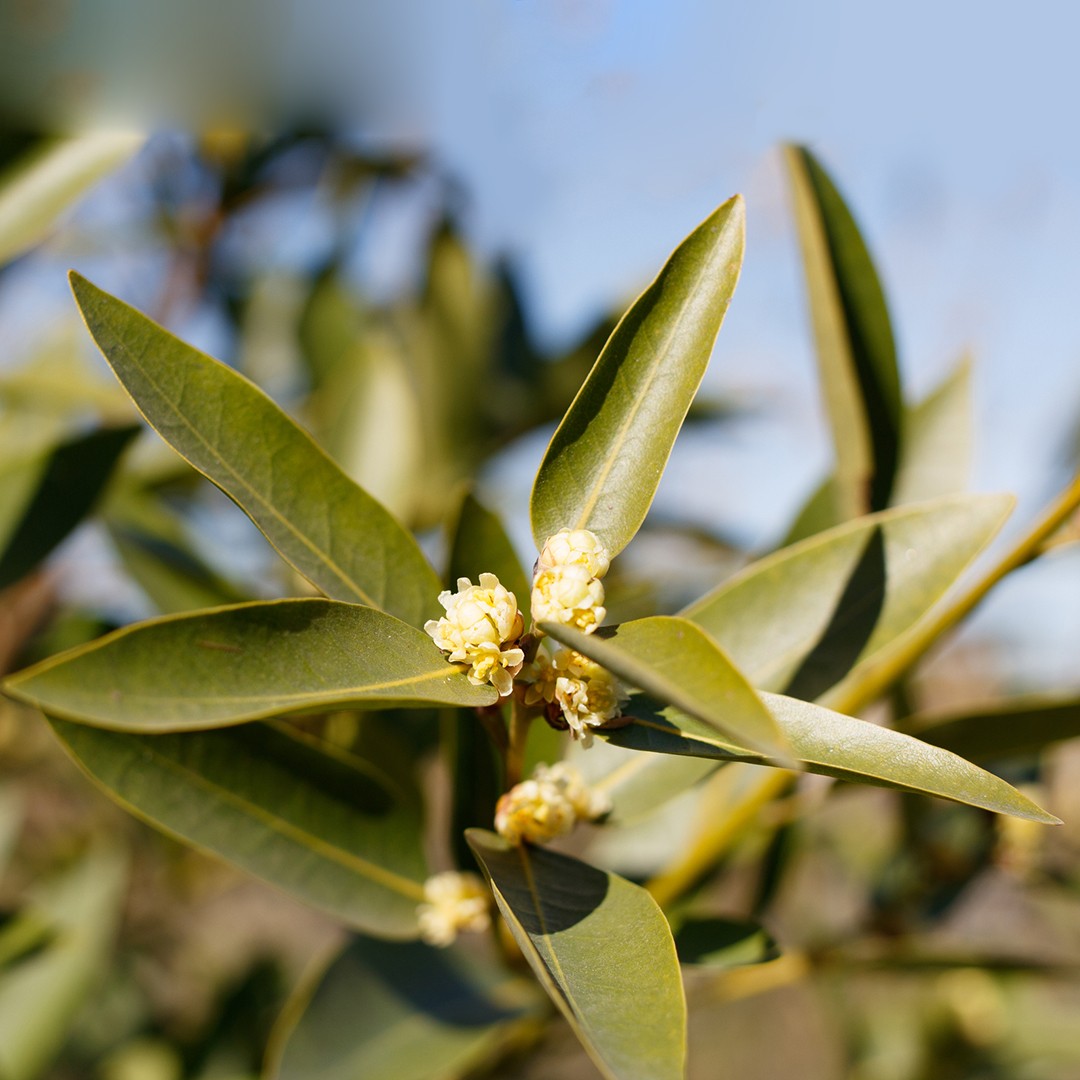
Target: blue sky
{"x": 593, "y": 134}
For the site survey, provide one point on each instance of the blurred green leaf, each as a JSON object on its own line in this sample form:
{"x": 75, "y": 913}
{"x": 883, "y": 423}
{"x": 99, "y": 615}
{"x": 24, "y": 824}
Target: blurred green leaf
{"x": 855, "y": 347}
{"x": 396, "y": 1011}
{"x": 330, "y": 530}
{"x": 59, "y": 490}
{"x": 637, "y": 784}
{"x": 1002, "y": 730}
{"x": 37, "y": 189}
{"x": 480, "y": 545}
{"x": 11, "y": 820}
{"x": 724, "y": 943}
{"x": 677, "y": 662}
{"x": 938, "y": 437}
{"x": 813, "y": 614}
{"x": 300, "y": 813}
{"x": 372, "y": 422}
{"x": 828, "y": 743}
{"x": 604, "y": 462}
{"x": 230, "y": 665}
{"x": 40, "y": 995}
{"x": 603, "y": 951}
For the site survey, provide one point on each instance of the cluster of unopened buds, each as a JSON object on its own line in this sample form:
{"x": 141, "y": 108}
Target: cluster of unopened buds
{"x": 482, "y": 629}
{"x": 548, "y": 805}
{"x": 453, "y": 902}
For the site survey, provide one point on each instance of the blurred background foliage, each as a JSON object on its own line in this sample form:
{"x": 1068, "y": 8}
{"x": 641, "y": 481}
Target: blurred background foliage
{"x": 906, "y": 939}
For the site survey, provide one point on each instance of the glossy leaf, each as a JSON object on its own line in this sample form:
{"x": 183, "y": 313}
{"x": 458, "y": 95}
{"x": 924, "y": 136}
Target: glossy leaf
{"x": 330, "y": 530}
{"x": 603, "y": 951}
{"x": 38, "y": 189}
{"x": 676, "y": 662}
{"x": 41, "y": 992}
{"x": 400, "y": 1011}
{"x": 234, "y": 664}
{"x": 56, "y": 492}
{"x": 802, "y": 619}
{"x": 724, "y": 943}
{"x": 855, "y": 347}
{"x": 828, "y": 743}
{"x": 1006, "y": 729}
{"x": 938, "y": 440}
{"x": 604, "y": 462}
{"x": 317, "y": 822}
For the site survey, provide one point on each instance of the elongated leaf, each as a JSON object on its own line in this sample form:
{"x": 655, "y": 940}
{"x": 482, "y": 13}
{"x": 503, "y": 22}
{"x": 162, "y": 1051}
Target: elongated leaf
{"x": 1007, "y": 728}
{"x": 38, "y": 189}
{"x": 605, "y": 460}
{"x": 234, "y": 664}
{"x": 676, "y": 662}
{"x": 937, "y": 442}
{"x": 424, "y": 1014}
{"x": 301, "y": 814}
{"x": 856, "y": 352}
{"x": 41, "y": 992}
{"x": 603, "y": 951}
{"x": 808, "y": 616}
{"x": 330, "y": 530}
{"x": 828, "y": 743}
{"x": 60, "y": 489}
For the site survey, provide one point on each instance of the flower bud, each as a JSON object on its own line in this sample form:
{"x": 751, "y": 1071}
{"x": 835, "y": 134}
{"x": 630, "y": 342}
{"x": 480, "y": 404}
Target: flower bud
{"x": 454, "y": 902}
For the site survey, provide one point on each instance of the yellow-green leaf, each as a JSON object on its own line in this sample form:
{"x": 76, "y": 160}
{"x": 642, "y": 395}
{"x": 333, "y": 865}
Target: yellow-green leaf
{"x": 855, "y": 347}
{"x": 35, "y": 191}
{"x": 323, "y": 825}
{"x": 605, "y": 460}
{"x": 826, "y": 742}
{"x": 335, "y": 534}
{"x": 234, "y": 664}
{"x": 603, "y": 951}
{"x": 675, "y": 661}
{"x": 402, "y": 1031}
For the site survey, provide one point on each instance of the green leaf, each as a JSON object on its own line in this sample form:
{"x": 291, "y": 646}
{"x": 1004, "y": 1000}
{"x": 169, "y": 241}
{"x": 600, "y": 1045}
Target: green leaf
{"x": 400, "y": 1011}
{"x": 637, "y": 784}
{"x": 855, "y": 347}
{"x": 56, "y": 491}
{"x": 937, "y": 442}
{"x": 35, "y": 191}
{"x": 676, "y": 662}
{"x": 330, "y": 530}
{"x": 803, "y": 618}
{"x": 41, "y": 992}
{"x": 604, "y": 463}
{"x": 724, "y": 943}
{"x": 233, "y": 664}
{"x": 302, "y": 814}
{"x": 1006, "y": 729}
{"x": 603, "y": 951}
{"x": 481, "y": 545}
{"x": 828, "y": 743}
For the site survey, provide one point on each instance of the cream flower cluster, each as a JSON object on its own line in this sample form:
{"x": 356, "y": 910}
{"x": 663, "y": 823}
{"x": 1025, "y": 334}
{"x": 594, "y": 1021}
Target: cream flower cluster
{"x": 548, "y": 805}
{"x": 481, "y": 628}
{"x": 454, "y": 902}
{"x": 588, "y": 695}
{"x": 566, "y": 586}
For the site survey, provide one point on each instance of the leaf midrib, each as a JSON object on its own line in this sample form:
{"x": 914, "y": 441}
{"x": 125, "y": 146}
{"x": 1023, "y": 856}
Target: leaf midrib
{"x": 326, "y": 559}
{"x": 639, "y": 399}
{"x": 375, "y": 873}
